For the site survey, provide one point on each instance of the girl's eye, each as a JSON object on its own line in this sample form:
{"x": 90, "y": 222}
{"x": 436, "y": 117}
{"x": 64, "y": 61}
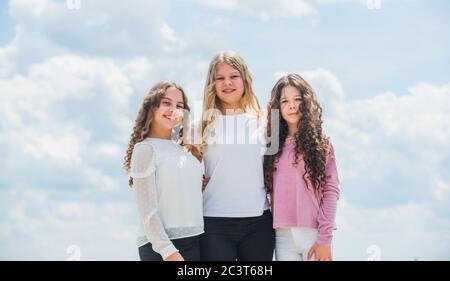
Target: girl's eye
{"x": 180, "y": 106}
{"x": 284, "y": 101}
{"x": 219, "y": 78}
{"x": 166, "y": 103}
{"x": 235, "y": 76}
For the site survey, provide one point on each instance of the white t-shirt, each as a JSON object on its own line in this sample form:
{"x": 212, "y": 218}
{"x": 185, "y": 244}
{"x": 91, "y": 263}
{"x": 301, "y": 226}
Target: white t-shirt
{"x": 234, "y": 165}
{"x": 168, "y": 185}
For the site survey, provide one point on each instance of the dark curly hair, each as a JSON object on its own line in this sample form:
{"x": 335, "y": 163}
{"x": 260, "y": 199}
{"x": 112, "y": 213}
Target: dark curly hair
{"x": 309, "y": 140}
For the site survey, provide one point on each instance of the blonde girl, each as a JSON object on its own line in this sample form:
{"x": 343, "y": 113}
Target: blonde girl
{"x": 238, "y": 222}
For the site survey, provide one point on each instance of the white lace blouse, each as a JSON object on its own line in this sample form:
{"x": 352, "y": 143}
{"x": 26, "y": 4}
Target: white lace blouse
{"x": 168, "y": 185}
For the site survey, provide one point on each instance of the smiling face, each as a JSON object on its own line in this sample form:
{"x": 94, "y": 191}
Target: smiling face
{"x": 290, "y": 105}
{"x": 169, "y": 114}
{"x": 229, "y": 86}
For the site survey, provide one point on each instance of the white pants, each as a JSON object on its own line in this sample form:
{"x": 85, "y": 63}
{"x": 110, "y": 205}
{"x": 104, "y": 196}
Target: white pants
{"x": 294, "y": 243}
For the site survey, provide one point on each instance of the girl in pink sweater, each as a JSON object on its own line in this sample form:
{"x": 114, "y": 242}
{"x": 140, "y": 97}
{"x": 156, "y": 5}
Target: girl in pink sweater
{"x": 301, "y": 177}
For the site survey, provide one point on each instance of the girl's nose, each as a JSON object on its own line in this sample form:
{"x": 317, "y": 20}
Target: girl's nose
{"x": 227, "y": 81}
{"x": 172, "y": 108}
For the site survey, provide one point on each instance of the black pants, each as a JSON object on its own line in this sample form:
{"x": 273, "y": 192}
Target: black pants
{"x": 242, "y": 239}
{"x": 189, "y": 248}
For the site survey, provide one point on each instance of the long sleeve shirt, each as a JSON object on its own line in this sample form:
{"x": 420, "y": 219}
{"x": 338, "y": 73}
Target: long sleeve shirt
{"x": 297, "y": 205}
{"x": 167, "y": 181}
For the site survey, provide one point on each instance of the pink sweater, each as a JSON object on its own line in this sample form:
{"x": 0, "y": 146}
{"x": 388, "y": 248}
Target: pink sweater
{"x": 295, "y": 204}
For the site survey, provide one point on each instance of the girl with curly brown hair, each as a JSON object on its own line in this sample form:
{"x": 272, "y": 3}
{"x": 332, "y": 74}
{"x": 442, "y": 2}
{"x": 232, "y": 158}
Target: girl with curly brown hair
{"x": 301, "y": 177}
{"x": 166, "y": 178}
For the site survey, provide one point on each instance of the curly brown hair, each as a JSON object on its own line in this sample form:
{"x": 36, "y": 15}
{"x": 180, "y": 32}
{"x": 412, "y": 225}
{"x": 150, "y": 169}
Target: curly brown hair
{"x": 143, "y": 122}
{"x": 309, "y": 140}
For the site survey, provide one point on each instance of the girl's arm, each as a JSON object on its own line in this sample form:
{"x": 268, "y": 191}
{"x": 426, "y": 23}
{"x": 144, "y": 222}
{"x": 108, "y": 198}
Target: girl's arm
{"x": 330, "y": 195}
{"x": 321, "y": 250}
{"x": 143, "y": 174}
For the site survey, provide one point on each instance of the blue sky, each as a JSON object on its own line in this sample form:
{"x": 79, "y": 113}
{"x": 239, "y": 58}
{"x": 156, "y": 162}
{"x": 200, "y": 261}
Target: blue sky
{"x": 71, "y": 81}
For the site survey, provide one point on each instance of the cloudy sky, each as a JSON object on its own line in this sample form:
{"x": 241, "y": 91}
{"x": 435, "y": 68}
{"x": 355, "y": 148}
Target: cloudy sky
{"x": 73, "y": 73}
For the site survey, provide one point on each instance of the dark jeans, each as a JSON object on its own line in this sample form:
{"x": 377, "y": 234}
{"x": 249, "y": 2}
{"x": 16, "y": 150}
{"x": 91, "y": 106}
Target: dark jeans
{"x": 189, "y": 248}
{"x": 242, "y": 239}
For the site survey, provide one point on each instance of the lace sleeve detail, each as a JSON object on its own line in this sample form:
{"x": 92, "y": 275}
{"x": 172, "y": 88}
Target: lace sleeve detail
{"x": 143, "y": 169}
{"x": 142, "y": 161}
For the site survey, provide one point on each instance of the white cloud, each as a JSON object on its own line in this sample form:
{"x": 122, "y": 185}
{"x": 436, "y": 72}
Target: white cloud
{"x": 52, "y": 28}
{"x": 108, "y": 150}
{"x": 171, "y": 42}
{"x": 69, "y": 114}
{"x": 51, "y": 221}
{"x": 404, "y": 232}
{"x": 442, "y": 190}
{"x": 65, "y": 149}
{"x": 266, "y": 9}
{"x": 27, "y": 9}
{"x": 270, "y": 9}
{"x": 325, "y": 80}
{"x": 401, "y": 132}
{"x": 139, "y": 70}
{"x": 46, "y": 92}
{"x": 287, "y": 8}
{"x": 417, "y": 117}
{"x": 325, "y": 2}
{"x": 6, "y": 65}
{"x": 101, "y": 181}
{"x": 220, "y": 4}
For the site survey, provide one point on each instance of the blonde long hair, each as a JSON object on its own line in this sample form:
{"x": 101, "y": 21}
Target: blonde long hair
{"x": 212, "y": 104}
{"x": 144, "y": 119}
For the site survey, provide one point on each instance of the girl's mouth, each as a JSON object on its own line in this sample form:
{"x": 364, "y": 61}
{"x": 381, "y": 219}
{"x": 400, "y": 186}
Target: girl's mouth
{"x": 171, "y": 118}
{"x": 228, "y": 91}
